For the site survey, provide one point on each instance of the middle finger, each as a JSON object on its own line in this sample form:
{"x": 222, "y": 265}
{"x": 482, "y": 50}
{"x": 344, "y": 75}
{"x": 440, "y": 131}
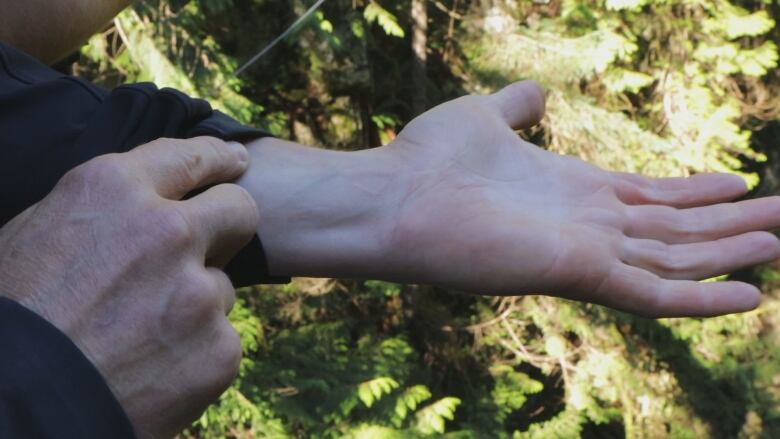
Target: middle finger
{"x": 700, "y": 224}
{"x": 701, "y": 260}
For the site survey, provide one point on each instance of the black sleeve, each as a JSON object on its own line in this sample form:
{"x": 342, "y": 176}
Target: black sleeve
{"x": 48, "y": 388}
{"x": 50, "y": 123}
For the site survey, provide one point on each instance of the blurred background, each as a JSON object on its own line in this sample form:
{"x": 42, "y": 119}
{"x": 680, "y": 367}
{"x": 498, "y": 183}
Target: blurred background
{"x": 661, "y": 87}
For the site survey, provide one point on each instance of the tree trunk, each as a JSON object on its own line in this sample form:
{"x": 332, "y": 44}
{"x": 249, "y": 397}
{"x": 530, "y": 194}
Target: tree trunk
{"x": 419, "y": 46}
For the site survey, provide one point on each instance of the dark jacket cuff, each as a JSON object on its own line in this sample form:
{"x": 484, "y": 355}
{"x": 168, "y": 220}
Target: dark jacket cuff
{"x": 48, "y": 388}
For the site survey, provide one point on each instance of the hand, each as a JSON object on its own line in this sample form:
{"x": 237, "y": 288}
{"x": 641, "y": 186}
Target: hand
{"x": 488, "y": 212}
{"x": 460, "y": 200}
{"x": 132, "y": 275}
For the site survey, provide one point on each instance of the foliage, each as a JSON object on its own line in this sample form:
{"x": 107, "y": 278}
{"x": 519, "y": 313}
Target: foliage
{"x": 664, "y": 87}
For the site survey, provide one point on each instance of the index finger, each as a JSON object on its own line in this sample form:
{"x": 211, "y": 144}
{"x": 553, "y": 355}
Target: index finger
{"x": 175, "y": 167}
{"x": 680, "y": 192}
{"x": 225, "y": 217}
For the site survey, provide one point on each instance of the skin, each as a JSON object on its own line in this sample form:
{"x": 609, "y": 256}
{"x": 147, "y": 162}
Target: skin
{"x": 50, "y": 30}
{"x": 133, "y": 275}
{"x": 459, "y": 200}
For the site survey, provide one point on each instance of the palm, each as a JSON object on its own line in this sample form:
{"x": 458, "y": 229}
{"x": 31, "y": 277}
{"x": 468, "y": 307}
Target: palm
{"x": 490, "y": 213}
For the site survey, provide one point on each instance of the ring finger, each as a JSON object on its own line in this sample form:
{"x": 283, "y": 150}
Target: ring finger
{"x": 224, "y": 287}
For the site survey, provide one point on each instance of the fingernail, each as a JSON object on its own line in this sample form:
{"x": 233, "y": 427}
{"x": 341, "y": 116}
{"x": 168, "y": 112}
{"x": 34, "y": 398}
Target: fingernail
{"x": 240, "y": 150}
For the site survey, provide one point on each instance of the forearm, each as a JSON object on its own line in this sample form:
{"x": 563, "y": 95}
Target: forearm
{"x": 49, "y": 29}
{"x": 326, "y": 213}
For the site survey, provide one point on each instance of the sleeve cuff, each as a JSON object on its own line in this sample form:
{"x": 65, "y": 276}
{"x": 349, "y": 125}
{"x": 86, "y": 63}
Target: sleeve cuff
{"x": 48, "y": 388}
{"x": 249, "y": 267}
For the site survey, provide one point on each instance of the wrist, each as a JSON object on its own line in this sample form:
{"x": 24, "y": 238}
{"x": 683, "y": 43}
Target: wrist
{"x": 325, "y": 213}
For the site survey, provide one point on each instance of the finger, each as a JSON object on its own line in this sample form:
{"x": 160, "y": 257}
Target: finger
{"x": 223, "y": 287}
{"x": 701, "y": 260}
{"x": 698, "y": 190}
{"x": 643, "y": 293}
{"x": 225, "y": 218}
{"x": 176, "y": 167}
{"x": 214, "y": 363}
{"x": 699, "y": 224}
{"x": 521, "y": 104}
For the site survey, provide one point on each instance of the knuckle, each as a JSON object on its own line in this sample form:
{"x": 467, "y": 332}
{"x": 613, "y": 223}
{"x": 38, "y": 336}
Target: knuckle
{"x": 622, "y": 218}
{"x": 162, "y": 142}
{"x": 215, "y": 145}
{"x": 204, "y": 294}
{"x": 671, "y": 261}
{"x": 629, "y": 192}
{"x": 247, "y": 207}
{"x": 214, "y": 148}
{"x": 198, "y": 160}
{"x": 226, "y": 291}
{"x": 192, "y": 303}
{"x": 188, "y": 160}
{"x": 170, "y": 226}
{"x": 686, "y": 226}
{"x": 223, "y": 289}
{"x": 102, "y": 170}
{"x": 191, "y": 165}
{"x": 230, "y": 300}
{"x": 251, "y": 206}
{"x": 675, "y": 264}
{"x": 228, "y": 354}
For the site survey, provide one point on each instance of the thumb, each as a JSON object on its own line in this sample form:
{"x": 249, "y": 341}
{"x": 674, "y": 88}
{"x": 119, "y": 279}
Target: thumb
{"x": 521, "y": 104}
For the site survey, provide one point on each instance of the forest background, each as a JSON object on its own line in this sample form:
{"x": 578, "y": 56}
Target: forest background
{"x": 662, "y": 87}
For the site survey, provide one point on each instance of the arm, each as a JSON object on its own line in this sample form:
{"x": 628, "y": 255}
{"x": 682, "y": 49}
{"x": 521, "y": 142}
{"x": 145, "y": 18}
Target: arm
{"x": 49, "y": 29}
{"x": 80, "y": 127}
{"x": 459, "y": 200}
{"x": 325, "y": 213}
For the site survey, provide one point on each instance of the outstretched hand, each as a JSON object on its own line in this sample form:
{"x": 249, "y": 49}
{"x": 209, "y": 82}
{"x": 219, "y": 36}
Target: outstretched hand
{"x": 486, "y": 212}
{"x": 458, "y": 199}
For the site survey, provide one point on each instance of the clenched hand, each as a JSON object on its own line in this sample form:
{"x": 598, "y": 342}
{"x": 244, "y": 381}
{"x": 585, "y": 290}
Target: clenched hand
{"x": 132, "y": 275}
